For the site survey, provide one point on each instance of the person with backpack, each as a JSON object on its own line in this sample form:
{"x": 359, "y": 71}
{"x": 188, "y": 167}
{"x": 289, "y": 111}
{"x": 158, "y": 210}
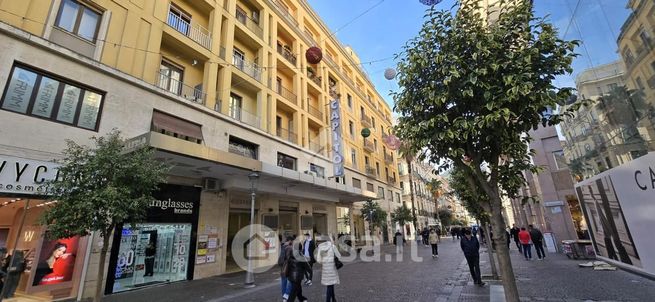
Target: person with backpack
{"x": 328, "y": 255}
{"x": 286, "y": 247}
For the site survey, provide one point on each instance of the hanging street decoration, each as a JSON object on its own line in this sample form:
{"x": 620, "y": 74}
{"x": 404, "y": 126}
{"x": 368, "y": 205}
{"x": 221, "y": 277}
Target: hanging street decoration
{"x": 392, "y": 141}
{"x": 366, "y": 132}
{"x": 430, "y": 2}
{"x": 389, "y": 73}
{"x": 313, "y": 55}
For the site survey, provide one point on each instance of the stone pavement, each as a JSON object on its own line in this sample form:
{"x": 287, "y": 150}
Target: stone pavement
{"x": 444, "y": 279}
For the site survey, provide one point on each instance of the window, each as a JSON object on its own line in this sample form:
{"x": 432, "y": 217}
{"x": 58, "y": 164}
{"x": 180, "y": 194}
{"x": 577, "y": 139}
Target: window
{"x": 377, "y": 169}
{"x": 318, "y": 170}
{"x": 362, "y": 113}
{"x": 170, "y": 77}
{"x": 350, "y": 101}
{"x": 402, "y": 185}
{"x": 640, "y": 84}
{"x": 238, "y": 58}
{"x": 366, "y": 161}
{"x": 179, "y": 20}
{"x": 357, "y": 183}
{"x": 599, "y": 90}
{"x": 47, "y": 96}
{"x": 370, "y": 187}
{"x": 397, "y": 197}
{"x": 375, "y": 144}
{"x": 645, "y": 37}
{"x": 353, "y": 157}
{"x": 560, "y": 160}
{"x": 381, "y": 192}
{"x": 235, "y": 106}
{"x": 611, "y": 87}
{"x": 351, "y": 129}
{"x": 386, "y": 172}
{"x": 286, "y": 161}
{"x": 78, "y": 19}
{"x": 372, "y": 122}
{"x": 390, "y": 195}
{"x": 243, "y": 148}
{"x": 628, "y": 57}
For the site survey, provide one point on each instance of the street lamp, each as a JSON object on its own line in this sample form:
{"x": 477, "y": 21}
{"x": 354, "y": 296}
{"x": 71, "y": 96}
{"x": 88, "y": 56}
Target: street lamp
{"x": 250, "y": 276}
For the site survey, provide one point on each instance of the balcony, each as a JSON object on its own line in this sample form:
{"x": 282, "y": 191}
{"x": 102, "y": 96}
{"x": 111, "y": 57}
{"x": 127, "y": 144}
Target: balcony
{"x": 311, "y": 74}
{"x": 315, "y": 146}
{"x": 194, "y": 31}
{"x": 221, "y": 53}
{"x": 239, "y": 114}
{"x": 333, "y": 92}
{"x": 330, "y": 60}
{"x": 310, "y": 37}
{"x": 369, "y": 146}
{"x": 391, "y": 180}
{"x": 370, "y": 171}
{"x": 253, "y": 26}
{"x": 285, "y": 12}
{"x": 167, "y": 83}
{"x": 286, "y": 93}
{"x": 366, "y": 120}
{"x": 287, "y": 135}
{"x": 248, "y": 68}
{"x": 315, "y": 112}
{"x": 287, "y": 54}
{"x": 388, "y": 158}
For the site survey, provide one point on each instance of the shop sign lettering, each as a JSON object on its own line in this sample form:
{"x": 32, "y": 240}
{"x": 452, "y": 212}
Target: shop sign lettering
{"x": 26, "y": 176}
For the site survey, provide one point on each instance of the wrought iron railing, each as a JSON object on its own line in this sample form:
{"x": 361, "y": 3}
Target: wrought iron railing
{"x": 287, "y": 54}
{"x": 192, "y": 30}
{"x": 287, "y": 135}
{"x": 249, "y": 23}
{"x": 315, "y": 112}
{"x": 248, "y": 68}
{"x": 166, "y": 82}
{"x": 242, "y": 115}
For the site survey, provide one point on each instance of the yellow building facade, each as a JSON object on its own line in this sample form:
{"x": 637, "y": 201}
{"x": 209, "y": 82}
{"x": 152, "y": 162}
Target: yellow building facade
{"x": 220, "y": 89}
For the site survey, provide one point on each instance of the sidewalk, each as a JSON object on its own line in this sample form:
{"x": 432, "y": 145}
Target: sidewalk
{"x": 557, "y": 278}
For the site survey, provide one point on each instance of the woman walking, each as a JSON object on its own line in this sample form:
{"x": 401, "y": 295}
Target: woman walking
{"x": 434, "y": 239}
{"x": 295, "y": 272}
{"x": 327, "y": 252}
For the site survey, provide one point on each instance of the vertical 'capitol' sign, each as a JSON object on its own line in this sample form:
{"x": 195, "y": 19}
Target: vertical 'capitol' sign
{"x": 337, "y": 148}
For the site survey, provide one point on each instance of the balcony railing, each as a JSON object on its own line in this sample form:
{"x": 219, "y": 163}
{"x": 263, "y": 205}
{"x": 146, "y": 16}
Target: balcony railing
{"x": 286, "y": 93}
{"x": 330, "y": 60}
{"x": 287, "y": 54}
{"x": 366, "y": 120}
{"x": 312, "y": 76}
{"x": 369, "y": 146}
{"x": 310, "y": 36}
{"x": 249, "y": 23}
{"x": 221, "y": 52}
{"x": 239, "y": 114}
{"x": 370, "y": 171}
{"x": 248, "y": 68}
{"x": 315, "y": 146}
{"x": 391, "y": 180}
{"x": 194, "y": 31}
{"x": 388, "y": 158}
{"x": 286, "y": 12}
{"x": 315, "y": 112}
{"x": 287, "y": 135}
{"x": 193, "y": 94}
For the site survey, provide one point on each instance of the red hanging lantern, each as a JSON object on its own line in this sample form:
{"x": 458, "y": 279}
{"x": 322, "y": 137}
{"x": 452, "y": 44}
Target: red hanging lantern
{"x": 314, "y": 55}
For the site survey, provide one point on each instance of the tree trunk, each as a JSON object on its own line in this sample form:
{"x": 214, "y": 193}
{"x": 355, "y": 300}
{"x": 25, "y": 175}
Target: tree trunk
{"x": 505, "y": 263}
{"x": 492, "y": 261}
{"x": 411, "y": 195}
{"x": 101, "y": 268}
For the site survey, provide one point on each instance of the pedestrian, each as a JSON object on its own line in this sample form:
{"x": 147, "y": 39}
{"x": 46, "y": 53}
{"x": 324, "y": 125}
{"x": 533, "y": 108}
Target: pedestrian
{"x": 508, "y": 237}
{"x": 453, "y": 232}
{"x": 286, "y": 248}
{"x": 526, "y": 243}
{"x": 327, "y": 252}
{"x": 425, "y": 234}
{"x": 14, "y": 266}
{"x": 471, "y": 248}
{"x": 308, "y": 248}
{"x": 150, "y": 253}
{"x": 538, "y": 241}
{"x": 434, "y": 240}
{"x": 399, "y": 241}
{"x": 294, "y": 270}
{"x": 515, "y": 234}
{"x": 482, "y": 238}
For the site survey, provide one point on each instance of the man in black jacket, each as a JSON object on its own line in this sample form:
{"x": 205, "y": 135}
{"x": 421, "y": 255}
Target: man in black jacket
{"x": 471, "y": 248}
{"x": 514, "y": 232}
{"x": 538, "y": 241}
{"x": 307, "y": 250}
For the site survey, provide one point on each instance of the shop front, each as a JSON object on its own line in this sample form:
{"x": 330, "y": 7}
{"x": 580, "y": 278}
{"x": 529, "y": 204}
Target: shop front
{"x": 162, "y": 248}
{"x": 43, "y": 268}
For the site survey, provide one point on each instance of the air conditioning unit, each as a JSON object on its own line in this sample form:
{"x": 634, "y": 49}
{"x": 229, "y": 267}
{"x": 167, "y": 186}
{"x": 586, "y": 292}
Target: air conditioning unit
{"x": 311, "y": 173}
{"x": 211, "y": 184}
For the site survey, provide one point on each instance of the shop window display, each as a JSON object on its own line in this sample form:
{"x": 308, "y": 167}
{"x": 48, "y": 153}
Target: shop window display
{"x": 152, "y": 253}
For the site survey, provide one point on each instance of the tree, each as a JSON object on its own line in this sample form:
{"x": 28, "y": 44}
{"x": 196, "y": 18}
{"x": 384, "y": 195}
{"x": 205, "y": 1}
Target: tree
{"x": 401, "y": 215}
{"x": 373, "y": 213}
{"x": 408, "y": 152}
{"x": 100, "y": 188}
{"x": 445, "y": 216}
{"x": 471, "y": 90}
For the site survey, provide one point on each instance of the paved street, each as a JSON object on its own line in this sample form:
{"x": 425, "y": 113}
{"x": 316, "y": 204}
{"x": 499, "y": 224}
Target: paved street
{"x": 445, "y": 279}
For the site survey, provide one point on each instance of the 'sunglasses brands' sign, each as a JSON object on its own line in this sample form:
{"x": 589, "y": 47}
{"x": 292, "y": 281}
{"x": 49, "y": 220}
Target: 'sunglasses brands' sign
{"x": 26, "y": 176}
{"x": 179, "y": 207}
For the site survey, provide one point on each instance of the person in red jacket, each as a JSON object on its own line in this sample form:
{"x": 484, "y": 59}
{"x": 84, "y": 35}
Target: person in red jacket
{"x": 526, "y": 242}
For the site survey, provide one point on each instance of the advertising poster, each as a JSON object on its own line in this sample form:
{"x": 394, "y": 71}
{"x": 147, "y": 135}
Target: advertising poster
{"x": 56, "y": 262}
{"x": 618, "y": 206}
{"x": 126, "y": 254}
